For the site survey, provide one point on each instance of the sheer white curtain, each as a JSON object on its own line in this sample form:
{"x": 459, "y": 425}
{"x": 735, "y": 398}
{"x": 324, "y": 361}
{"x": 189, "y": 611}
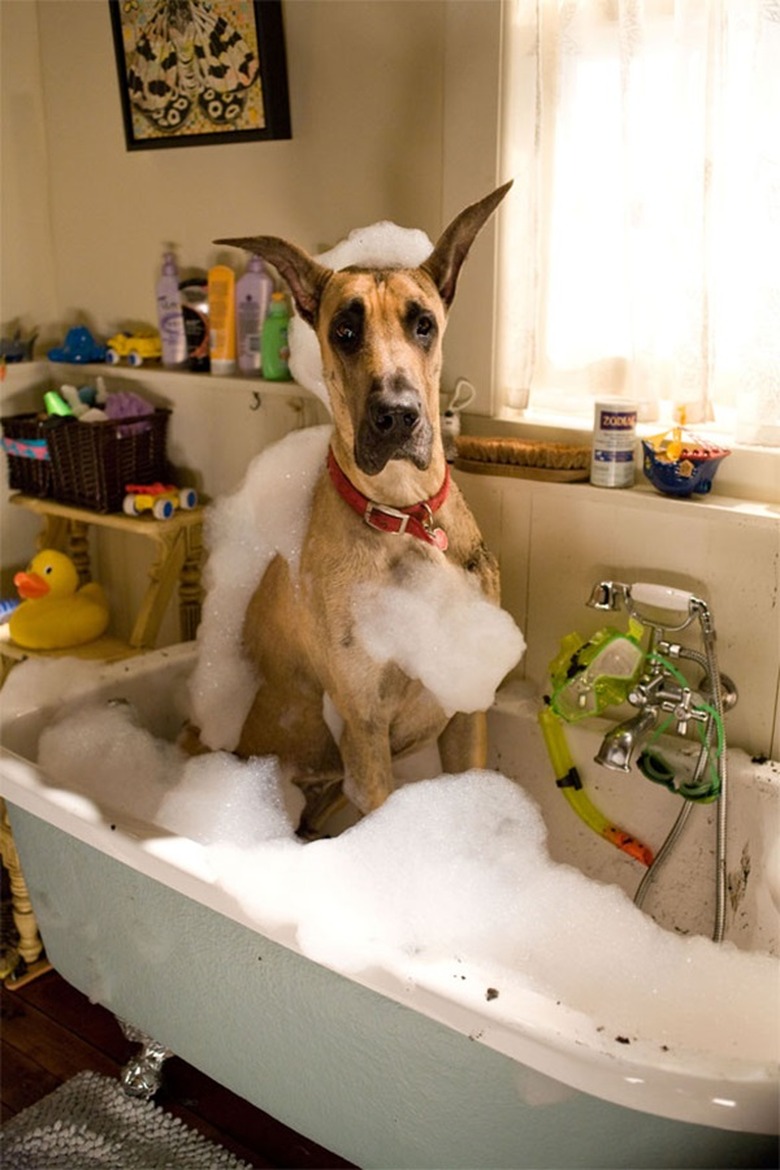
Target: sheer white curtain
{"x": 640, "y": 250}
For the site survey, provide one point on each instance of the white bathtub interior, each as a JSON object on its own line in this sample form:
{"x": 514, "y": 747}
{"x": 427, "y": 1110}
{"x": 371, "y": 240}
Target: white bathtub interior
{"x": 712, "y": 1070}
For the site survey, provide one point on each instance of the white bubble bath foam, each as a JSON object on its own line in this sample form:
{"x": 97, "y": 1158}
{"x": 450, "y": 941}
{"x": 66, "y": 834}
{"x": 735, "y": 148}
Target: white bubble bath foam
{"x": 460, "y": 979}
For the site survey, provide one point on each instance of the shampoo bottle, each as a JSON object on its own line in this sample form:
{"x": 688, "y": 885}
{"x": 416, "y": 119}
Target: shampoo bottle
{"x": 169, "y": 315}
{"x": 275, "y": 351}
{"x": 222, "y": 319}
{"x": 253, "y": 295}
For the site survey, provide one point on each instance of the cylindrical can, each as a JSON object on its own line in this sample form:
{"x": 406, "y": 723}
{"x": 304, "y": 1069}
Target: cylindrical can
{"x": 614, "y": 443}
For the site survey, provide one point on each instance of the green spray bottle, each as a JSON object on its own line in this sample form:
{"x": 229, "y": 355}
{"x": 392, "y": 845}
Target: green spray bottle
{"x": 274, "y": 345}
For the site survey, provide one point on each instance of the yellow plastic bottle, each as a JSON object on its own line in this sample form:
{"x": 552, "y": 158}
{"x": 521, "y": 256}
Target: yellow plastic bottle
{"x": 222, "y": 319}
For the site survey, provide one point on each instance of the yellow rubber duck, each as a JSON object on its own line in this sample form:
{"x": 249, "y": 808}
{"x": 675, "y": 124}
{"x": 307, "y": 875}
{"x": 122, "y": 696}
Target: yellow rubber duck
{"x": 55, "y": 614}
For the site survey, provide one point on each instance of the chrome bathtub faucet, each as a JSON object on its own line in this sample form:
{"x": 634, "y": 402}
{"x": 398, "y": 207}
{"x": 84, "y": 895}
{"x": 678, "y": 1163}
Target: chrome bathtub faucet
{"x": 661, "y": 691}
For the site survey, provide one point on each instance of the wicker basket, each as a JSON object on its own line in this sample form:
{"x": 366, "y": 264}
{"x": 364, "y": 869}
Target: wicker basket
{"x": 90, "y": 463}
{"x": 27, "y": 453}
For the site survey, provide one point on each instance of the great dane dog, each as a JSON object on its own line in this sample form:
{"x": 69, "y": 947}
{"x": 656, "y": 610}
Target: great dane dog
{"x": 384, "y": 502}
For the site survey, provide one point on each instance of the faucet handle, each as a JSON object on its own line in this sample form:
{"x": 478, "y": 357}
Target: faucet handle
{"x": 662, "y": 596}
{"x": 683, "y": 712}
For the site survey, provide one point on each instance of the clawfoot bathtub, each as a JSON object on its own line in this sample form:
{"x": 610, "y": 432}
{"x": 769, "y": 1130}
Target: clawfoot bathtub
{"x": 439, "y": 1058}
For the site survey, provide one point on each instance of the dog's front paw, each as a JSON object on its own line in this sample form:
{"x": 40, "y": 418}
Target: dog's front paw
{"x": 188, "y": 741}
{"x": 323, "y": 801}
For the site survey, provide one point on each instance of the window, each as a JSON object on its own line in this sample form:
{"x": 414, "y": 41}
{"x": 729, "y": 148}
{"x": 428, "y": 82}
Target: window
{"x": 641, "y": 247}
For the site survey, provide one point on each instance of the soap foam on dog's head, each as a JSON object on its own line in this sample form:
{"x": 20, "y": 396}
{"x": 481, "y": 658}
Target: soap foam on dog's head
{"x": 381, "y": 245}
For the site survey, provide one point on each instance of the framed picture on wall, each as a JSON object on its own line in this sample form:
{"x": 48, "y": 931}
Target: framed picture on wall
{"x": 197, "y": 72}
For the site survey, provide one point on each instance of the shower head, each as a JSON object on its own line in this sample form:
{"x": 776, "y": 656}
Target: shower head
{"x": 607, "y": 595}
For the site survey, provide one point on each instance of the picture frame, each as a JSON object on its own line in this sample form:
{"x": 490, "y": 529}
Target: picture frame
{"x": 200, "y": 72}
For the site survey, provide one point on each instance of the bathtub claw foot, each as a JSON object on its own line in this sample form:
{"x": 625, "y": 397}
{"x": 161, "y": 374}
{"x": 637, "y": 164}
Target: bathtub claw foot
{"x": 142, "y": 1075}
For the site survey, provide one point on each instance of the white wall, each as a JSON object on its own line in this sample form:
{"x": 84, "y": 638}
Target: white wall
{"x": 28, "y": 296}
{"x": 366, "y": 106}
{"x": 394, "y": 111}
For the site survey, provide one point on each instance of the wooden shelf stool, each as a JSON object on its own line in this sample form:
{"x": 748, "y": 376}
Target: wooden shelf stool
{"x": 177, "y": 560}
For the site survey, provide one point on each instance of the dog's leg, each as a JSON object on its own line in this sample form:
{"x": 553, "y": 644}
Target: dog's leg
{"x": 368, "y": 769}
{"x": 463, "y": 743}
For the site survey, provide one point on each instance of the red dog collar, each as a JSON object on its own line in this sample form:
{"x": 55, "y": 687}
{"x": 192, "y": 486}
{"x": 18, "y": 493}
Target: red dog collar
{"x": 416, "y": 520}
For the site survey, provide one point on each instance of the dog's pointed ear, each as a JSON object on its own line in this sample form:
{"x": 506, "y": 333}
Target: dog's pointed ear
{"x": 305, "y": 276}
{"x": 445, "y": 261}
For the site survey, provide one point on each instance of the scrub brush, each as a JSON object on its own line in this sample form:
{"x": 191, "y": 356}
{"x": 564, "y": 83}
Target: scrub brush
{"x": 526, "y": 458}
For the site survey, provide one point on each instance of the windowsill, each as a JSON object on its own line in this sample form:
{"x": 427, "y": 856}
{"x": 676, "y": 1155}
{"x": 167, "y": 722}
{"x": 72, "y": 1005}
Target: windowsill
{"x": 749, "y": 473}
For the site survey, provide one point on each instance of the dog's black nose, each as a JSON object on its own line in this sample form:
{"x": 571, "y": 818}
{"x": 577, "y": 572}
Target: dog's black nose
{"x": 394, "y": 425}
{"x": 394, "y": 414}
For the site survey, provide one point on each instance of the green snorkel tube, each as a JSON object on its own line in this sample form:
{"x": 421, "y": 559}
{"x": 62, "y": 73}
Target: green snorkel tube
{"x": 587, "y": 677}
{"x": 568, "y": 780}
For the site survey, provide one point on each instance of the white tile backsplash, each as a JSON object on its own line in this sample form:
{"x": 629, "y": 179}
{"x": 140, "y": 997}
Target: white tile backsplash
{"x": 556, "y": 540}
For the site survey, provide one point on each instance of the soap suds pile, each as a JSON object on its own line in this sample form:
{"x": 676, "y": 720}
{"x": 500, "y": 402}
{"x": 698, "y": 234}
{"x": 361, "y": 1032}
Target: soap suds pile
{"x": 107, "y": 750}
{"x": 266, "y": 515}
{"x": 438, "y": 627}
{"x": 452, "y": 870}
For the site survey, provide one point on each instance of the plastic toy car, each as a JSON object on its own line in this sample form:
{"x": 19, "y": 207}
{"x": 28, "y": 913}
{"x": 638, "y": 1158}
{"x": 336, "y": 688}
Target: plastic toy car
{"x": 79, "y": 346}
{"x": 161, "y": 499}
{"x": 144, "y": 346}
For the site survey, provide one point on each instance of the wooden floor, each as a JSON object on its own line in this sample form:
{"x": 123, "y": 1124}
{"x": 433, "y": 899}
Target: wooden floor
{"x": 50, "y": 1032}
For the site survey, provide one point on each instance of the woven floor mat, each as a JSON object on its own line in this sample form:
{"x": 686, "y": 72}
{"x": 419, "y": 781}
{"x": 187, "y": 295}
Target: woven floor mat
{"x": 90, "y": 1122}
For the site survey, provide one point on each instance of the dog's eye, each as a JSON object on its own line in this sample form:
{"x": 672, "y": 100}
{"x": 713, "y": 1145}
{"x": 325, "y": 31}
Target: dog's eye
{"x": 346, "y": 329}
{"x": 420, "y": 324}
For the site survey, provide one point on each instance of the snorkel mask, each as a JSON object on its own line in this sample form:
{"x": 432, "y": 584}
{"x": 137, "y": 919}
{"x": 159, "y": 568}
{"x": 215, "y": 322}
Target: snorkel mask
{"x": 589, "y": 676}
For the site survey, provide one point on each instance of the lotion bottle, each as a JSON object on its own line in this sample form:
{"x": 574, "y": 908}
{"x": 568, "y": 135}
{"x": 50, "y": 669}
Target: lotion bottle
{"x": 274, "y": 347}
{"x": 222, "y": 319}
{"x": 253, "y": 295}
{"x": 169, "y": 315}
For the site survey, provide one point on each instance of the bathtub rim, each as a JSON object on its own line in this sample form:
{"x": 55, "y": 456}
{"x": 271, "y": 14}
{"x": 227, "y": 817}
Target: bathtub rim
{"x": 720, "y": 1091}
